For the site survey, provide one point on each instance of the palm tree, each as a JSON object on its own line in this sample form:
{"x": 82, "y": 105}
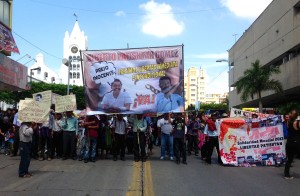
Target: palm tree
{"x": 256, "y": 80}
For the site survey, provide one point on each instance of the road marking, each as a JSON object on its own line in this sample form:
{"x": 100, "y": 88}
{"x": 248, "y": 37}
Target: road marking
{"x": 148, "y": 183}
{"x": 135, "y": 188}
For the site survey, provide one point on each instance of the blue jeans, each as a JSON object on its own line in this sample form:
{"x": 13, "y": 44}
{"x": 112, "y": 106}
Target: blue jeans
{"x": 25, "y": 150}
{"x": 92, "y": 143}
{"x": 166, "y": 140}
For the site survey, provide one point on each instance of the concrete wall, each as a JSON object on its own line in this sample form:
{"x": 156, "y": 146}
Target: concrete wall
{"x": 272, "y": 37}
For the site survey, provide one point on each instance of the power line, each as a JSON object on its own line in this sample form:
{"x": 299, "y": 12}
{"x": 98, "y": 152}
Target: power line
{"x": 36, "y": 46}
{"x": 129, "y": 13}
{"x": 211, "y": 81}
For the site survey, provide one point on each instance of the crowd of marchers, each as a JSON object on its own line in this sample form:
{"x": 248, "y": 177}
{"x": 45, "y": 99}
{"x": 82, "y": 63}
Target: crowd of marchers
{"x": 94, "y": 137}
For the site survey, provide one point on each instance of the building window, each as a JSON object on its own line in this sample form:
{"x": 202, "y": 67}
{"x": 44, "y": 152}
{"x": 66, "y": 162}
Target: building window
{"x": 193, "y": 80}
{"x": 45, "y": 75}
{"x": 74, "y": 75}
{"x": 78, "y": 75}
{"x": 5, "y": 12}
{"x": 71, "y": 67}
{"x": 193, "y": 89}
{"x": 78, "y": 67}
{"x": 70, "y": 75}
{"x": 74, "y": 67}
{"x": 52, "y": 80}
{"x": 193, "y": 95}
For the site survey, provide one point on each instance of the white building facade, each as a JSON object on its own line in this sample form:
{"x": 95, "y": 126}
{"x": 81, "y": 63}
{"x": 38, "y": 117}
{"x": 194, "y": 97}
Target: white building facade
{"x": 41, "y": 72}
{"x": 194, "y": 86}
{"x": 74, "y": 42}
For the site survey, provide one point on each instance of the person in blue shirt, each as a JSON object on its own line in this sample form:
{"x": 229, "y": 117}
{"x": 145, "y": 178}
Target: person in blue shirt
{"x": 70, "y": 130}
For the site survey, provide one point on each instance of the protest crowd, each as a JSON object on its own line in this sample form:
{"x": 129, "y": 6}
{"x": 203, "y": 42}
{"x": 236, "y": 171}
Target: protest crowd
{"x": 88, "y": 138}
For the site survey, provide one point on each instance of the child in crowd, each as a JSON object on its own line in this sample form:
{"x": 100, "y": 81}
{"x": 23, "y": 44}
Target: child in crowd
{"x": 10, "y": 139}
{"x": 105, "y": 136}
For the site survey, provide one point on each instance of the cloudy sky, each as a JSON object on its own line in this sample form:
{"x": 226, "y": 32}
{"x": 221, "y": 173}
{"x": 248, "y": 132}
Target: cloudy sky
{"x": 207, "y": 28}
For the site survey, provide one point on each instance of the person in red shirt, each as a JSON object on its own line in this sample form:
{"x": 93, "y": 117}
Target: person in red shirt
{"x": 92, "y": 126}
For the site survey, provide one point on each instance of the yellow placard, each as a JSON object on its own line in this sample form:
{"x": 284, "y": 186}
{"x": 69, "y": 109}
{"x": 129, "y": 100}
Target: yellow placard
{"x": 33, "y": 111}
{"x": 65, "y": 103}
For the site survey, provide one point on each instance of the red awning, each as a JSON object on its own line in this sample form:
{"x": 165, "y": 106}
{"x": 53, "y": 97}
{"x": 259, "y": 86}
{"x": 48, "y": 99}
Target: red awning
{"x": 7, "y": 42}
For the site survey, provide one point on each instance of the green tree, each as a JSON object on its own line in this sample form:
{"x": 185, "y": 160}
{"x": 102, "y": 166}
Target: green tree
{"x": 13, "y": 97}
{"x": 256, "y": 80}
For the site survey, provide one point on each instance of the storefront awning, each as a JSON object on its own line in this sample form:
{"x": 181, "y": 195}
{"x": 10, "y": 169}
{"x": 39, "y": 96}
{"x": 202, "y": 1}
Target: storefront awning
{"x": 7, "y": 42}
{"x": 13, "y": 75}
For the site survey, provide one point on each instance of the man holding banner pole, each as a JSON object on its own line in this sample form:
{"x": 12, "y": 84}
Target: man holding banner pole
{"x": 139, "y": 137}
{"x": 70, "y": 130}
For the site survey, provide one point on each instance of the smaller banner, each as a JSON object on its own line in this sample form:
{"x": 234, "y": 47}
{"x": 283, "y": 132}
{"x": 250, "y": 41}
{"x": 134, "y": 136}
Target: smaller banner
{"x": 244, "y": 143}
{"x": 33, "y": 111}
{"x": 45, "y": 96}
{"x": 13, "y": 75}
{"x": 245, "y": 114}
{"x": 65, "y": 103}
{"x": 7, "y": 40}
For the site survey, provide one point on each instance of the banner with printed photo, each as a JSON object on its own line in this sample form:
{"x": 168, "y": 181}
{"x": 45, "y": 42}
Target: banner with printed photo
{"x": 45, "y": 96}
{"x": 141, "y": 80}
{"x": 65, "y": 103}
{"x": 242, "y": 144}
{"x": 33, "y": 111}
{"x": 246, "y": 114}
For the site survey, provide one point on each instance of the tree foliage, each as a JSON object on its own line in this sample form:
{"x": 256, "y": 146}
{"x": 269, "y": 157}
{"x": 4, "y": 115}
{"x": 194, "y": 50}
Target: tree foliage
{"x": 13, "y": 97}
{"x": 207, "y": 106}
{"x": 256, "y": 80}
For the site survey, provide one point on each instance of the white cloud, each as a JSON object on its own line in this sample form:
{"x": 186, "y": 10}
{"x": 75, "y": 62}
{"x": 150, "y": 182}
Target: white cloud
{"x": 120, "y": 13}
{"x": 216, "y": 56}
{"x": 249, "y": 9}
{"x": 160, "y": 20}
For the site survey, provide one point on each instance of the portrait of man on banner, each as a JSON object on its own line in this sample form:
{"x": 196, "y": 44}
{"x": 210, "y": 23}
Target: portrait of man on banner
{"x": 116, "y": 100}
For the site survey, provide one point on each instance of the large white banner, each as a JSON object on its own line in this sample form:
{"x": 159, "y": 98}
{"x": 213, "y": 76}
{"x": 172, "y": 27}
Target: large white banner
{"x": 142, "y": 80}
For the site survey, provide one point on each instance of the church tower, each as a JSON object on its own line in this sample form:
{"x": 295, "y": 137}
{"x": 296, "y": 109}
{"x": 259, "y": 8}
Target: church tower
{"x": 73, "y": 43}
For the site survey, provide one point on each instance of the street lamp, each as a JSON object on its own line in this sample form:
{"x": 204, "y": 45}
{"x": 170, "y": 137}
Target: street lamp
{"x": 225, "y": 60}
{"x": 38, "y": 68}
{"x": 68, "y": 63}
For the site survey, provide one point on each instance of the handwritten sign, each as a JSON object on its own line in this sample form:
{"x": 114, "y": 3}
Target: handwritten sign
{"x": 45, "y": 96}
{"x": 33, "y": 111}
{"x": 65, "y": 103}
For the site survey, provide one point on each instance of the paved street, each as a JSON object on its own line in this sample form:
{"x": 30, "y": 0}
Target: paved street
{"x": 155, "y": 177}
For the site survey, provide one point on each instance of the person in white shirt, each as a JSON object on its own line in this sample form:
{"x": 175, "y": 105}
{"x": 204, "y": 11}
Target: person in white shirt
{"x": 119, "y": 126}
{"x": 116, "y": 100}
{"x": 166, "y": 131}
